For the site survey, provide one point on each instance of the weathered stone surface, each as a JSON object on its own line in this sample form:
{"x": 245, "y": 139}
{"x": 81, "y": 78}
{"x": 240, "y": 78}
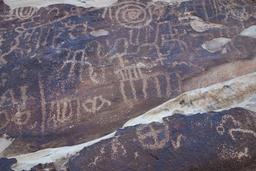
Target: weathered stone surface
{"x": 43, "y": 167}
{"x": 66, "y": 70}
{"x": 212, "y": 141}
{"x": 5, "y": 164}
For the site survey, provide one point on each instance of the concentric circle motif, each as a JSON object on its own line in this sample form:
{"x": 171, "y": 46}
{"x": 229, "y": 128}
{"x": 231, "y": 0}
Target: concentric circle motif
{"x": 21, "y": 117}
{"x": 133, "y": 14}
{"x": 24, "y": 13}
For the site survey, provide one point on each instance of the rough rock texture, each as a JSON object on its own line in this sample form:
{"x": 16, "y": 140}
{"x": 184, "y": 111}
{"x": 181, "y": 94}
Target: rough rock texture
{"x": 5, "y": 164}
{"x": 66, "y": 70}
{"x": 212, "y": 141}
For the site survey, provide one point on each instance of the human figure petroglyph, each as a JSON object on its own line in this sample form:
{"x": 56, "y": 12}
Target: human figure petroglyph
{"x": 135, "y": 32}
{"x": 78, "y": 61}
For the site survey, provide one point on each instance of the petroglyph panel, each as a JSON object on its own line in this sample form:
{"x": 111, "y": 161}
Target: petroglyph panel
{"x": 63, "y": 66}
{"x": 165, "y": 144}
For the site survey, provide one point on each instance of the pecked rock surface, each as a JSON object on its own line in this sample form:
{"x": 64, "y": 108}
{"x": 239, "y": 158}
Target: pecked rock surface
{"x": 211, "y": 141}
{"x": 70, "y": 74}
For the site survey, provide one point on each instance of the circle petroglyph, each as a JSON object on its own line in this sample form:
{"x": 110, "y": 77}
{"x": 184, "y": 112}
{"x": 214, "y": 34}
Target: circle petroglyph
{"x": 22, "y": 117}
{"x": 133, "y": 14}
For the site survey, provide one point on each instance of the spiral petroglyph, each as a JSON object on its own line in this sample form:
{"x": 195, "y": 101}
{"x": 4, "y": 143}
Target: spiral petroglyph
{"x": 71, "y": 74}
{"x": 133, "y": 14}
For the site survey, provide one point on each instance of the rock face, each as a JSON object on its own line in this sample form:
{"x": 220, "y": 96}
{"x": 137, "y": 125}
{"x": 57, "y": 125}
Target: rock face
{"x": 211, "y": 141}
{"x": 5, "y": 164}
{"x": 70, "y": 74}
{"x": 66, "y": 70}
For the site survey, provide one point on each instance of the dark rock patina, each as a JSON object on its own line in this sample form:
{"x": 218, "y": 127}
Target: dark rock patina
{"x": 69, "y": 74}
{"x": 212, "y": 141}
{"x": 5, "y": 164}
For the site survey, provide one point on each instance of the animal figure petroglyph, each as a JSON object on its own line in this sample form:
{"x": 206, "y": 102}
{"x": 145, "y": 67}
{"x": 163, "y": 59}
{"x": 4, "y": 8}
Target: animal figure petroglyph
{"x": 146, "y": 51}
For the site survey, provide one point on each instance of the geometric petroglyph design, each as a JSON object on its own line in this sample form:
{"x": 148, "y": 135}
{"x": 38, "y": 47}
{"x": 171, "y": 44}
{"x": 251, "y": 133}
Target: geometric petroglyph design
{"x": 221, "y": 130}
{"x": 94, "y": 163}
{"x": 132, "y": 14}
{"x": 22, "y": 115}
{"x": 227, "y": 153}
{"x": 63, "y": 110}
{"x": 152, "y": 138}
{"x": 95, "y": 104}
{"x": 66, "y": 109}
{"x": 23, "y": 13}
{"x": 117, "y": 148}
{"x": 177, "y": 144}
{"x": 242, "y": 131}
{"x": 129, "y": 75}
{"x": 75, "y": 59}
{"x": 79, "y": 61}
